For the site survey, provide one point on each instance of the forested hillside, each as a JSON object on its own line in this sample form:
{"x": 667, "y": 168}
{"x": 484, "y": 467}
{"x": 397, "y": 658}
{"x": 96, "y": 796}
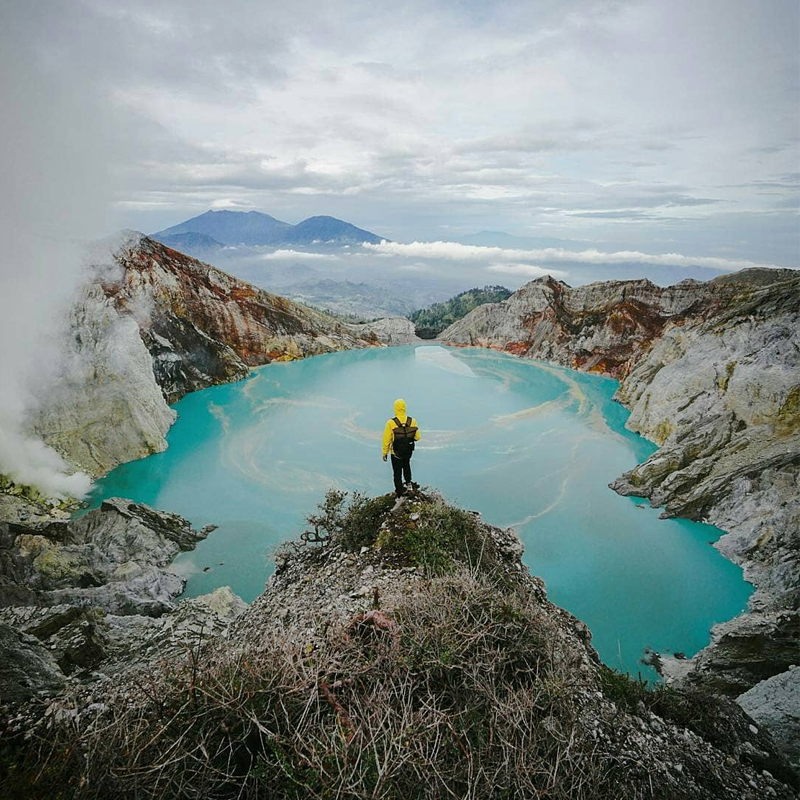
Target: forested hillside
{"x": 430, "y": 322}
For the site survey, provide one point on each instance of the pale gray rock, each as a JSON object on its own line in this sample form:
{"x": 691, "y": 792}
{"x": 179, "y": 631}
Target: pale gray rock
{"x": 106, "y": 408}
{"x": 764, "y": 509}
{"x": 136, "y": 641}
{"x": 115, "y": 558}
{"x": 223, "y": 602}
{"x": 75, "y": 636}
{"x": 743, "y": 651}
{"x": 94, "y": 597}
{"x": 775, "y": 704}
{"x": 27, "y": 668}
{"x": 388, "y": 330}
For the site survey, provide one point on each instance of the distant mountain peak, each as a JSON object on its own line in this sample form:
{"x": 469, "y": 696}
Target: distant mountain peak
{"x": 256, "y": 228}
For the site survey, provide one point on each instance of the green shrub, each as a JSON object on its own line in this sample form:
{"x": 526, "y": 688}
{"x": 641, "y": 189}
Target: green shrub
{"x": 441, "y": 537}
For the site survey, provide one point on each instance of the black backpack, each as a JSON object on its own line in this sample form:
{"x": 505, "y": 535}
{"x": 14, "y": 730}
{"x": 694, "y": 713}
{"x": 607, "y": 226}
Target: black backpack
{"x": 403, "y": 443}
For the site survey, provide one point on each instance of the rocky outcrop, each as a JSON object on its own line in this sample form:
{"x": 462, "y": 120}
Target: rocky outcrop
{"x": 106, "y": 407}
{"x": 388, "y": 330}
{"x": 114, "y": 557}
{"x": 711, "y": 373}
{"x": 94, "y": 596}
{"x": 775, "y": 704}
{"x": 416, "y": 636}
{"x": 27, "y": 667}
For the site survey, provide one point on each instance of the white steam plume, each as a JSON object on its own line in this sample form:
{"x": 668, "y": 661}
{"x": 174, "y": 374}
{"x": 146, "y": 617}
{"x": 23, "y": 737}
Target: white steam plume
{"x": 57, "y": 141}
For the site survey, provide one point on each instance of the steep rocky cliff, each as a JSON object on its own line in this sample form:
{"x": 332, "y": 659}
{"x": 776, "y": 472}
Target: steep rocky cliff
{"x": 155, "y": 324}
{"x": 203, "y": 326}
{"x": 711, "y": 373}
{"x": 410, "y": 654}
{"x": 106, "y": 407}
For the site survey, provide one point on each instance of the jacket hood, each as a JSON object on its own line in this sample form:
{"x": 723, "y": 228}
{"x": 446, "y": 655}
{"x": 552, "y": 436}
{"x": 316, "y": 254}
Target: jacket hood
{"x": 400, "y": 408}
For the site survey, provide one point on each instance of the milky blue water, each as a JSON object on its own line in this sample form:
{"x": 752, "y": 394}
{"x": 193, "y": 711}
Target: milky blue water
{"x": 524, "y": 443}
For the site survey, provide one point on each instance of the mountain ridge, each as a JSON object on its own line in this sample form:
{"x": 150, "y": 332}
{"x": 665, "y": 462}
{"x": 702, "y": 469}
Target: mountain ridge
{"x": 255, "y": 228}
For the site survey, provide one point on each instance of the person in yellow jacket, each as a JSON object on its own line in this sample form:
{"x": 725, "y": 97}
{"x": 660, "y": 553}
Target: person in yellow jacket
{"x": 399, "y": 436}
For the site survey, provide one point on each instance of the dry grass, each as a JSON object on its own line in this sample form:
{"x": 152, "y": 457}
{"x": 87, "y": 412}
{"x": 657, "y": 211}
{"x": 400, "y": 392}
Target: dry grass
{"x": 454, "y": 695}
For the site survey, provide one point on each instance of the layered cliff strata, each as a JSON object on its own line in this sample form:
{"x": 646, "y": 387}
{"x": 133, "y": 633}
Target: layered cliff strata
{"x": 203, "y": 326}
{"x": 410, "y": 655}
{"x": 155, "y": 324}
{"x": 115, "y": 557}
{"x": 711, "y": 373}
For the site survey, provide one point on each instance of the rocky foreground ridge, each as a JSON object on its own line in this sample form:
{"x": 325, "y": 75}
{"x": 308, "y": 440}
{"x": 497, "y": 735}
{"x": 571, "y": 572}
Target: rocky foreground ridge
{"x": 408, "y": 653}
{"x": 81, "y": 599}
{"x": 711, "y": 373}
{"x": 154, "y": 324}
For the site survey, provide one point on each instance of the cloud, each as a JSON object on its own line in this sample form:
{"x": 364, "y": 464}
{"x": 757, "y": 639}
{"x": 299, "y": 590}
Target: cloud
{"x": 32, "y": 463}
{"x": 629, "y": 214}
{"x": 453, "y": 251}
{"x": 437, "y": 119}
{"x": 295, "y": 255}
{"x": 523, "y": 117}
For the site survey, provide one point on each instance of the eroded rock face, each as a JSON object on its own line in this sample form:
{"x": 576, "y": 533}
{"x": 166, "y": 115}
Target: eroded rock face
{"x": 388, "y": 330}
{"x": 156, "y": 324}
{"x": 775, "y": 703}
{"x": 203, "y": 326}
{"x": 114, "y": 558}
{"x": 106, "y": 407}
{"x": 92, "y": 597}
{"x": 26, "y": 667}
{"x": 711, "y": 373}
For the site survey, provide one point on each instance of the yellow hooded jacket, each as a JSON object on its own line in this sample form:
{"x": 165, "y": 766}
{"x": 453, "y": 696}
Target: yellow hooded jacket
{"x": 388, "y": 431}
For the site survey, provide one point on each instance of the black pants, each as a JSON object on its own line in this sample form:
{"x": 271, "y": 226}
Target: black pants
{"x": 401, "y": 466}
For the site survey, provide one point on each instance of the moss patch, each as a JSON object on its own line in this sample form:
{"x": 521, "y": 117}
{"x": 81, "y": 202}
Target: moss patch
{"x": 788, "y": 418}
{"x": 724, "y": 380}
{"x": 437, "y": 537}
{"x": 663, "y": 431}
{"x": 54, "y": 565}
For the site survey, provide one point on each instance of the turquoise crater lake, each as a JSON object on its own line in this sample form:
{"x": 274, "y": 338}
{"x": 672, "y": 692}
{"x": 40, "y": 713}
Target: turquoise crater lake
{"x": 526, "y": 444}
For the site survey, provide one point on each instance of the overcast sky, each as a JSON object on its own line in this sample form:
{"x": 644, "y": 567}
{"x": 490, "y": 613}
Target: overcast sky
{"x": 654, "y": 126}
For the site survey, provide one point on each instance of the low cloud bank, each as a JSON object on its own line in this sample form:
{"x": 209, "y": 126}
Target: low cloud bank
{"x": 29, "y": 461}
{"x": 295, "y": 255}
{"x": 453, "y": 251}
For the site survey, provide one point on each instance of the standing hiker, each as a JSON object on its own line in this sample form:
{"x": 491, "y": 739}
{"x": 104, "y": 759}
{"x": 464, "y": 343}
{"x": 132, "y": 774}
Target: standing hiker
{"x": 399, "y": 436}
